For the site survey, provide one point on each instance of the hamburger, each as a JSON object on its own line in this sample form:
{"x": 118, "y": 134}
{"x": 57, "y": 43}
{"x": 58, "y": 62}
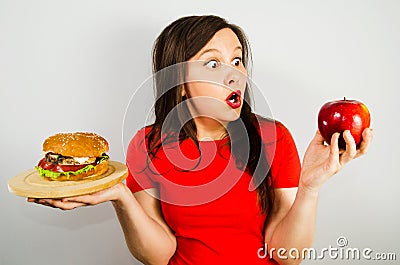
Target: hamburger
{"x": 73, "y": 156}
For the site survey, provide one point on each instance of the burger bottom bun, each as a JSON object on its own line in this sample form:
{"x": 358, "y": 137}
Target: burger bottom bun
{"x": 93, "y": 173}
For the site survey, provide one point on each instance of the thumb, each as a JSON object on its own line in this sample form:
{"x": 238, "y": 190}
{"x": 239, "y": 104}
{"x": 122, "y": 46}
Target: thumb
{"x": 318, "y": 138}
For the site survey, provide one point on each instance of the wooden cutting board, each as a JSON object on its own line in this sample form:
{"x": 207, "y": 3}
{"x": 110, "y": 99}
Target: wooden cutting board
{"x": 31, "y": 184}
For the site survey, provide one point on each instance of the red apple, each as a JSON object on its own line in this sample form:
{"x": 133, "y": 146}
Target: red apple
{"x": 341, "y": 115}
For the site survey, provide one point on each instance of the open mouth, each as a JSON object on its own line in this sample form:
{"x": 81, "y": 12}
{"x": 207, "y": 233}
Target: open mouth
{"x": 234, "y": 99}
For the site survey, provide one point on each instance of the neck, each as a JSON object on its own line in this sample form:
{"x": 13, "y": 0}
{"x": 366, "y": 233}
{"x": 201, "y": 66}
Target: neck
{"x": 209, "y": 129}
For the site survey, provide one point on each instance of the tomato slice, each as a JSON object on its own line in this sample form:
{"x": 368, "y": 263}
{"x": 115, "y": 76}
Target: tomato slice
{"x": 45, "y": 165}
{"x": 60, "y": 168}
{"x": 65, "y": 168}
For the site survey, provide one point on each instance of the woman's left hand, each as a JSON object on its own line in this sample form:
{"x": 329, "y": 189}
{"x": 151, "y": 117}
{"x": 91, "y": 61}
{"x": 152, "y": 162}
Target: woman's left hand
{"x": 321, "y": 161}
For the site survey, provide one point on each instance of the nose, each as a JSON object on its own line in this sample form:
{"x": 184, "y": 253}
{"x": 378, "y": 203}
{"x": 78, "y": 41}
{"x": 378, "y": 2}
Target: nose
{"x": 232, "y": 77}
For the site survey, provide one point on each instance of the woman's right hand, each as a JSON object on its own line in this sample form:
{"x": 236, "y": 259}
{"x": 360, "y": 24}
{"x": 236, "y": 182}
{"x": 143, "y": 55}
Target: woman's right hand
{"x": 113, "y": 193}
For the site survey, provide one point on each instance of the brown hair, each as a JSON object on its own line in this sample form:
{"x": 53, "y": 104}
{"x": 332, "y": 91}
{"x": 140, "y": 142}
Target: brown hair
{"x": 177, "y": 43}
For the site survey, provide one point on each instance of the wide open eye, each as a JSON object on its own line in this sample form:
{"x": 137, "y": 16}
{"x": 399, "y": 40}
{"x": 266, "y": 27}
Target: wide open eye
{"x": 237, "y": 61}
{"x": 212, "y": 64}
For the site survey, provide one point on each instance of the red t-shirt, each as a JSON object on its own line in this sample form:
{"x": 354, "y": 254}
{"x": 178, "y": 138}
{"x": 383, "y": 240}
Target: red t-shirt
{"x": 210, "y": 204}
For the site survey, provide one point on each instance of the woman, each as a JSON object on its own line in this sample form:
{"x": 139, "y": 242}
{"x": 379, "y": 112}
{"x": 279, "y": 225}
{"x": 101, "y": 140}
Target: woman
{"x": 210, "y": 182}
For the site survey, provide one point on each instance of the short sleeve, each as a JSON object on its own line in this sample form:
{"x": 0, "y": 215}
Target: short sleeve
{"x": 136, "y": 160}
{"x": 285, "y": 168}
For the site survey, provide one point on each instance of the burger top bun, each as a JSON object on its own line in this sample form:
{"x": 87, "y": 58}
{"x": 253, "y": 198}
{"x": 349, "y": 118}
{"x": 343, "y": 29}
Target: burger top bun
{"x": 79, "y": 144}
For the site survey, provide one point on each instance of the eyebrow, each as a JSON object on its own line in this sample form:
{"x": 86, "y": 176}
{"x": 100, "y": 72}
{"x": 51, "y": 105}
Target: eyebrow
{"x": 216, "y": 50}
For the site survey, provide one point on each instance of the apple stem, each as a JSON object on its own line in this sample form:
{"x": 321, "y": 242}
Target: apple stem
{"x": 344, "y": 98}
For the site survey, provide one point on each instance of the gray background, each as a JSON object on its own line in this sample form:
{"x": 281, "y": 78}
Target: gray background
{"x": 73, "y": 65}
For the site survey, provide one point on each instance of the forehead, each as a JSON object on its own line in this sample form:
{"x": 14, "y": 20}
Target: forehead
{"x": 223, "y": 39}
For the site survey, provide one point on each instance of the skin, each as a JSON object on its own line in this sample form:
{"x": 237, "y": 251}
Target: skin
{"x": 291, "y": 225}
{"x": 219, "y": 62}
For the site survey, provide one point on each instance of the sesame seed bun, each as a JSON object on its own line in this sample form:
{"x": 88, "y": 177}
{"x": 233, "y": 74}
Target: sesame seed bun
{"x": 79, "y": 144}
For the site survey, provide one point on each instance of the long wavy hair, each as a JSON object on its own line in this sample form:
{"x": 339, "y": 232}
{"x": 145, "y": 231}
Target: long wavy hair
{"x": 176, "y": 44}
